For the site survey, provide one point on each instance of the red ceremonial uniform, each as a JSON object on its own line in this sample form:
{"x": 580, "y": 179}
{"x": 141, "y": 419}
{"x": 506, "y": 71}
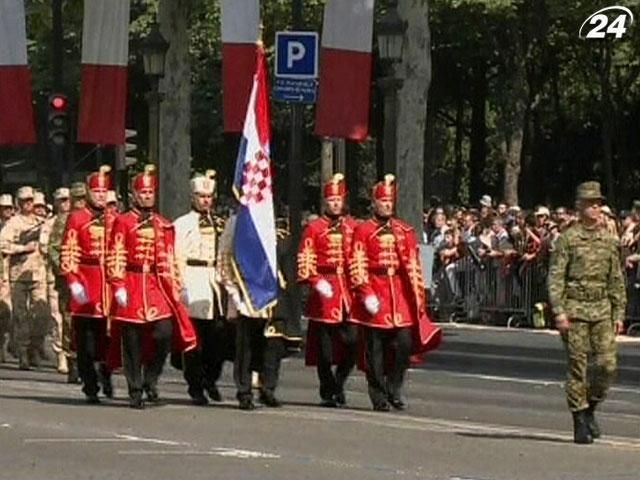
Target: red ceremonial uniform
{"x": 140, "y": 252}
{"x": 141, "y": 261}
{"x": 385, "y": 263}
{"x": 324, "y": 250}
{"x": 82, "y": 259}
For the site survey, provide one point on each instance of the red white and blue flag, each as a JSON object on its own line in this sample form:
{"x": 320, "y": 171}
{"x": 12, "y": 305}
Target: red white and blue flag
{"x": 17, "y": 122}
{"x": 255, "y": 230}
{"x": 345, "y": 70}
{"x": 105, "y": 56}
{"x": 240, "y": 32}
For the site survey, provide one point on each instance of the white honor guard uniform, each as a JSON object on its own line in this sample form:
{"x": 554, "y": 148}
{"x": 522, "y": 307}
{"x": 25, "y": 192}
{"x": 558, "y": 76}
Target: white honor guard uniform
{"x": 196, "y": 250}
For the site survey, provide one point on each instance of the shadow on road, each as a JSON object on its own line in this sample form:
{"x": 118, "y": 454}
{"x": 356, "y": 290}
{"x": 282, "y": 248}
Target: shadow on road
{"x": 515, "y": 436}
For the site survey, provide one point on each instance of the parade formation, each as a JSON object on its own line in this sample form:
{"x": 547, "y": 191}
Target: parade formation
{"x": 126, "y": 290}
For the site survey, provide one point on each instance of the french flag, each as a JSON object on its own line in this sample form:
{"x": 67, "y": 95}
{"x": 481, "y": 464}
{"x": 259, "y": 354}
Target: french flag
{"x": 17, "y": 122}
{"x": 255, "y": 231}
{"x": 105, "y": 55}
{"x": 240, "y": 32}
{"x": 345, "y": 70}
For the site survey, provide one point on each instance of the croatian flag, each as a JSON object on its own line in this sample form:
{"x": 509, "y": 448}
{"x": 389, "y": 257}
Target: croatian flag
{"x": 105, "y": 56}
{"x": 345, "y": 70}
{"x": 255, "y": 231}
{"x": 17, "y": 123}
{"x": 240, "y": 32}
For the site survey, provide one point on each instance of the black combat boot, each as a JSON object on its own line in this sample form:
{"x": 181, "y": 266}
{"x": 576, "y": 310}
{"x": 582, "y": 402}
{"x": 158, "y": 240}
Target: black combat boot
{"x": 592, "y": 424}
{"x": 104, "y": 377}
{"x": 581, "y": 432}
{"x": 23, "y": 360}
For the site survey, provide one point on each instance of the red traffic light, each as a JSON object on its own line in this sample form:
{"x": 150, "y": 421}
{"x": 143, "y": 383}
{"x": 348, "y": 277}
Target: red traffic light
{"x": 59, "y": 102}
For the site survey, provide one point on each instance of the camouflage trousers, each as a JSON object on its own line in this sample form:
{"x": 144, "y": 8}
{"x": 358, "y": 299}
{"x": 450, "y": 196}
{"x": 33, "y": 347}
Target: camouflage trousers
{"x": 31, "y": 314}
{"x": 6, "y": 324}
{"x": 586, "y": 384}
{"x": 59, "y": 298}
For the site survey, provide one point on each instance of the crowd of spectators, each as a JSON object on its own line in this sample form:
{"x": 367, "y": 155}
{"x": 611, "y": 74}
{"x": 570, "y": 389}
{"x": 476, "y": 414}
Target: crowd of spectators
{"x": 514, "y": 240}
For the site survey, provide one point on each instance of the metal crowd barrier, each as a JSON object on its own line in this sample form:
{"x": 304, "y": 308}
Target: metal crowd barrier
{"x": 490, "y": 292}
{"x": 493, "y": 293}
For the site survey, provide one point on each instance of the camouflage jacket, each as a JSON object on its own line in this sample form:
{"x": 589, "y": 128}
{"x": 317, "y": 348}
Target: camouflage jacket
{"x": 585, "y": 275}
{"x": 55, "y": 242}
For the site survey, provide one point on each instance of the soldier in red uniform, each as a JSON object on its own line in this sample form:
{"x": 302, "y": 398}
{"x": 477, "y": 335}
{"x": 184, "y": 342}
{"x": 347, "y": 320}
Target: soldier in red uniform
{"x": 82, "y": 262}
{"x": 146, "y": 310}
{"x": 389, "y": 298}
{"x": 322, "y": 264}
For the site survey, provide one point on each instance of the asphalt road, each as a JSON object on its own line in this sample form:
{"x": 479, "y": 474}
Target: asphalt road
{"x": 489, "y": 405}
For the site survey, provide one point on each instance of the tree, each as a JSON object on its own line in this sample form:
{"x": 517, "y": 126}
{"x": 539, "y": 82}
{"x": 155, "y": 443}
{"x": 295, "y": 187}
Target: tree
{"x": 412, "y": 111}
{"x": 175, "y": 113}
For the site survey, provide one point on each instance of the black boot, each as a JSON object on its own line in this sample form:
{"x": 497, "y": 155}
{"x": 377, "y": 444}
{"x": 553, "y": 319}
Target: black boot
{"x": 72, "y": 375}
{"x": 23, "y": 360}
{"x": 592, "y": 424}
{"x": 197, "y": 396}
{"x": 104, "y": 377}
{"x": 269, "y": 399}
{"x": 581, "y": 432}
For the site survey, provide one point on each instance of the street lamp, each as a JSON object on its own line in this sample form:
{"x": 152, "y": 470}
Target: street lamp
{"x": 390, "y": 32}
{"x": 391, "y": 29}
{"x": 154, "y": 52}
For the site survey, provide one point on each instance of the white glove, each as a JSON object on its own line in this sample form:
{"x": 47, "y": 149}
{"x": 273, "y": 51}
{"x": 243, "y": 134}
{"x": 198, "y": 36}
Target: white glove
{"x": 372, "y": 304}
{"x": 184, "y": 296}
{"x": 78, "y": 293}
{"x": 324, "y": 288}
{"x": 122, "y": 297}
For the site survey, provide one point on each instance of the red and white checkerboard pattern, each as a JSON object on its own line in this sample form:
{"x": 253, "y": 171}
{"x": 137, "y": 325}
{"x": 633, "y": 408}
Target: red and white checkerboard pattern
{"x": 256, "y": 180}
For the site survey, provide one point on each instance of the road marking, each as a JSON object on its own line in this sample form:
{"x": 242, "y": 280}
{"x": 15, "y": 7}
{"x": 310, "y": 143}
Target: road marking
{"x": 219, "y": 451}
{"x": 527, "y": 381}
{"x": 407, "y": 422}
{"x": 117, "y": 438}
{"x": 544, "y": 331}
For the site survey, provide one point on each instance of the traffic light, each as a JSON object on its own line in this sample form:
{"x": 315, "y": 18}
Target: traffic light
{"x": 130, "y": 147}
{"x": 125, "y": 154}
{"x": 58, "y": 121}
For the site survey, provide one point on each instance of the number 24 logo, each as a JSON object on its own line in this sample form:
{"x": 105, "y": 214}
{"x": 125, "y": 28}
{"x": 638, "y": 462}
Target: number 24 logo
{"x": 616, "y": 28}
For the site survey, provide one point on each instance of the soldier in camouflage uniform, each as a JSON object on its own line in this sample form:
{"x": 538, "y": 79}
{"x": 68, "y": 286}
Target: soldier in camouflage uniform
{"x": 78, "y": 193}
{"x": 19, "y": 240}
{"x": 6, "y": 326}
{"x": 587, "y": 294}
{"x": 54, "y": 228}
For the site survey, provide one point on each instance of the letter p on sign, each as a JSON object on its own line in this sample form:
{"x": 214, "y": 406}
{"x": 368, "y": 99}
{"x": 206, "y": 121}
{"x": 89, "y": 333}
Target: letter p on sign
{"x": 295, "y": 52}
{"x": 297, "y": 55}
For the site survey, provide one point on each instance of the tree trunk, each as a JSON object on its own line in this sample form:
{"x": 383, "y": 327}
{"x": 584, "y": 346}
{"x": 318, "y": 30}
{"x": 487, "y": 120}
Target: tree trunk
{"x": 607, "y": 124}
{"x": 175, "y": 111}
{"x": 412, "y": 111}
{"x": 512, "y": 151}
{"x": 478, "y": 147}
{"x": 458, "y": 168}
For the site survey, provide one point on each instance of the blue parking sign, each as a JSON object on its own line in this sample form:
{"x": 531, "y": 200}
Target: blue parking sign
{"x": 297, "y": 55}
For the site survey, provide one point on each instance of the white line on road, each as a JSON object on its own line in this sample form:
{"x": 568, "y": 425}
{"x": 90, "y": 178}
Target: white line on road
{"x": 527, "y": 381}
{"x": 220, "y": 452}
{"x": 449, "y": 426}
{"x": 116, "y": 439}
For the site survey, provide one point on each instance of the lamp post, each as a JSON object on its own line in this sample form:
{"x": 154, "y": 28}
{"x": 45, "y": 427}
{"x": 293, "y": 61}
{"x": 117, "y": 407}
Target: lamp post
{"x": 154, "y": 51}
{"x": 390, "y": 32}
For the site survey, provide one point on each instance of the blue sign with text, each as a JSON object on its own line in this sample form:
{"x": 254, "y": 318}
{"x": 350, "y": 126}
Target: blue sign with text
{"x": 294, "y": 90}
{"x": 297, "y": 55}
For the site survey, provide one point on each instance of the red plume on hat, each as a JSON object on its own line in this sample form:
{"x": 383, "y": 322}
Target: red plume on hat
{"x": 336, "y": 187}
{"x": 385, "y": 189}
{"x": 146, "y": 179}
{"x": 100, "y": 180}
